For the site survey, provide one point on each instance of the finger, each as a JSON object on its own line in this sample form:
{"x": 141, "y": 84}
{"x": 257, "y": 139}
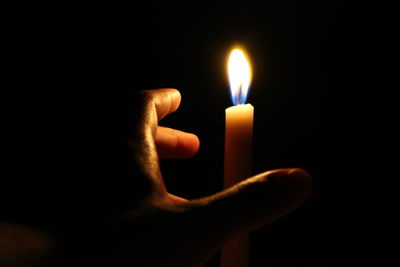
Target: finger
{"x": 149, "y": 106}
{"x": 173, "y": 143}
{"x": 254, "y": 202}
{"x": 213, "y": 220}
{"x": 166, "y": 101}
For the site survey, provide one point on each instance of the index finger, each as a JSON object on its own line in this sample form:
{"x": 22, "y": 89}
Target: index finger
{"x": 166, "y": 101}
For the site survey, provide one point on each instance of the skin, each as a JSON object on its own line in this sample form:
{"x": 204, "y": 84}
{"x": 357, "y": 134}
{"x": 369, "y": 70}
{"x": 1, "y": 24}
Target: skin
{"x": 158, "y": 228}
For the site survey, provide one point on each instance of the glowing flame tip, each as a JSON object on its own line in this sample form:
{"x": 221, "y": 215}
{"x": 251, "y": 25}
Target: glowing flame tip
{"x": 239, "y": 73}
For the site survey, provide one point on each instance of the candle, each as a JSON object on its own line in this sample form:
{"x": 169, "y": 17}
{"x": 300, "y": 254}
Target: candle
{"x": 238, "y": 148}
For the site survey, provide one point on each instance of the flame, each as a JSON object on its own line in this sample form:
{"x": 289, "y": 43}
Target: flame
{"x": 239, "y": 73}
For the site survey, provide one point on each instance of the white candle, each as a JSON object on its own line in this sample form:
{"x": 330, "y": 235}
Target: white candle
{"x": 238, "y": 143}
{"x": 238, "y": 148}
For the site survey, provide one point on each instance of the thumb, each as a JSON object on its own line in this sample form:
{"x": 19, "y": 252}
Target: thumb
{"x": 190, "y": 232}
{"x": 254, "y": 202}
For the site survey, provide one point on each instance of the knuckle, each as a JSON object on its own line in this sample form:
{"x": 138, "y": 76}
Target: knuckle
{"x": 146, "y": 95}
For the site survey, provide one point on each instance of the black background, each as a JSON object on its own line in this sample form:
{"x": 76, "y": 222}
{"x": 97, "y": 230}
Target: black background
{"x": 318, "y": 75}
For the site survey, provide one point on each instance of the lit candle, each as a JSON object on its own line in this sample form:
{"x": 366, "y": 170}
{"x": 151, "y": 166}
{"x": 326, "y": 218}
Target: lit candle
{"x": 238, "y": 148}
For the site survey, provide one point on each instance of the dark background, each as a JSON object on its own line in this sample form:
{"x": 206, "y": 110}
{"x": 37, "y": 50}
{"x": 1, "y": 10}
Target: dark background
{"x": 318, "y": 75}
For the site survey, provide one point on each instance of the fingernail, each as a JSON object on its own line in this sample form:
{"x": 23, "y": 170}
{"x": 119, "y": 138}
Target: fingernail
{"x": 299, "y": 172}
{"x": 292, "y": 173}
{"x": 297, "y": 182}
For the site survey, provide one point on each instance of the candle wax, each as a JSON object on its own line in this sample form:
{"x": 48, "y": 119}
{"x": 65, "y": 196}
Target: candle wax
{"x": 237, "y": 167}
{"x": 238, "y": 143}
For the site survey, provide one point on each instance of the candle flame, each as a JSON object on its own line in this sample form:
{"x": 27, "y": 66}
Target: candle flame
{"x": 239, "y": 73}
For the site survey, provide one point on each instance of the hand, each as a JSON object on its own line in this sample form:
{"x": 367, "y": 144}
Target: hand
{"x": 166, "y": 230}
{"x": 161, "y": 229}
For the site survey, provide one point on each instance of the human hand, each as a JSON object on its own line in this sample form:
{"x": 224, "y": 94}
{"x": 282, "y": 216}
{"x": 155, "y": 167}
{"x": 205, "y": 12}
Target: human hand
{"x": 157, "y": 228}
{"x": 166, "y": 230}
